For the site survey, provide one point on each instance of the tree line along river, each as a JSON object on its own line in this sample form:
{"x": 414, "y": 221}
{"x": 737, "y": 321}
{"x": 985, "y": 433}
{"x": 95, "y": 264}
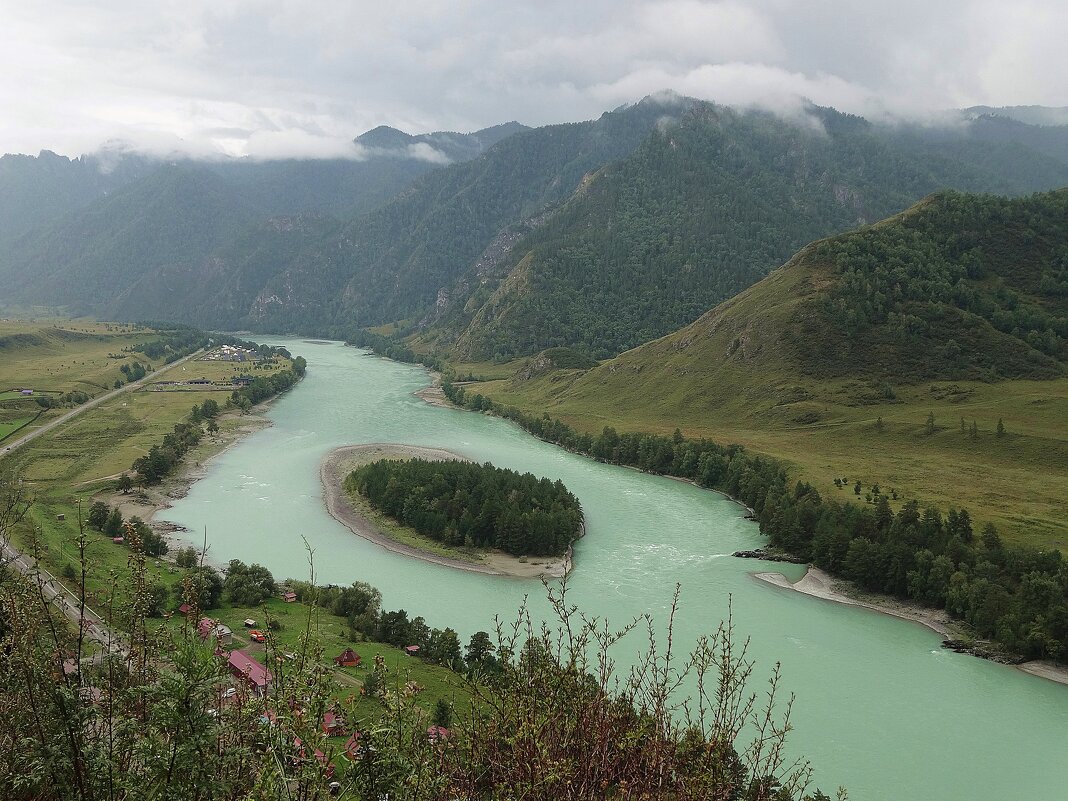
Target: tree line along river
{"x": 880, "y": 707}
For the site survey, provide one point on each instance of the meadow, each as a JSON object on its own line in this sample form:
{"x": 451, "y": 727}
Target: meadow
{"x": 827, "y": 430}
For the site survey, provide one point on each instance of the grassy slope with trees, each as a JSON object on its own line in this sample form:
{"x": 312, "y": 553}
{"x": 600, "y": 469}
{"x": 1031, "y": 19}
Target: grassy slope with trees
{"x": 838, "y": 362}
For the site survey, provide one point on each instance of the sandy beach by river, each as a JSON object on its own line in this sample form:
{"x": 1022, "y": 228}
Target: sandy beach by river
{"x": 341, "y": 461}
{"x": 820, "y": 584}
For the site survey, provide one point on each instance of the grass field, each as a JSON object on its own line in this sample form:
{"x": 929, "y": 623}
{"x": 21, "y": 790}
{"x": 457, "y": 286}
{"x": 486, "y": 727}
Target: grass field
{"x": 1018, "y": 481}
{"x": 69, "y": 465}
{"x": 61, "y": 357}
{"x": 733, "y": 376}
{"x": 8, "y": 425}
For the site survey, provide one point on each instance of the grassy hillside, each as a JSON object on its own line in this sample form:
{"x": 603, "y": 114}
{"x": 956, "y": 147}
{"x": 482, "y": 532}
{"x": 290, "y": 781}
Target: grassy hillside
{"x": 819, "y": 364}
{"x": 56, "y": 359}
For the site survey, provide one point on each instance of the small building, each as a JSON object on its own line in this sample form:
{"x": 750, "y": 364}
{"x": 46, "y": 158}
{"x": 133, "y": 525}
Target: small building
{"x": 26, "y": 392}
{"x": 208, "y": 629}
{"x": 61, "y": 517}
{"x": 298, "y": 748}
{"x": 348, "y": 658}
{"x": 250, "y": 623}
{"x": 438, "y": 733}
{"x": 243, "y": 666}
{"x": 118, "y": 540}
{"x": 352, "y": 746}
{"x": 289, "y": 597}
{"x": 185, "y": 609}
{"x": 412, "y": 650}
{"x": 333, "y": 725}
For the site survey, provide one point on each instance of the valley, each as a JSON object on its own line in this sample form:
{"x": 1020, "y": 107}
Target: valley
{"x": 724, "y": 329}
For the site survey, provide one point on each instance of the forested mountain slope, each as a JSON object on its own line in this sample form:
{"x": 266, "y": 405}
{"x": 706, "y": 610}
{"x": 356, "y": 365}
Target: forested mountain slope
{"x": 65, "y": 223}
{"x": 390, "y": 264}
{"x": 710, "y": 203}
{"x": 381, "y": 265}
{"x": 597, "y": 235}
{"x": 38, "y": 190}
{"x": 927, "y": 353}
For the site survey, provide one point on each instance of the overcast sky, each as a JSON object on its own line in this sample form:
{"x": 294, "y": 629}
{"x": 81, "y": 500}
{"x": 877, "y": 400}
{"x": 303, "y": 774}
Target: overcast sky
{"x": 302, "y": 77}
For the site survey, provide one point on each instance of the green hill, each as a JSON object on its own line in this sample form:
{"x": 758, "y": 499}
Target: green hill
{"x": 837, "y": 361}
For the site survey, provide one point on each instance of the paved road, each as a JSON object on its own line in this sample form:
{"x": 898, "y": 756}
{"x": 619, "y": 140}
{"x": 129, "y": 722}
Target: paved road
{"x": 63, "y": 599}
{"x": 51, "y": 588}
{"x": 90, "y": 404}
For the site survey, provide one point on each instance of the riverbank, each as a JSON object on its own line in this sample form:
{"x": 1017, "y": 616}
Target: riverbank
{"x": 820, "y": 584}
{"x": 341, "y": 461}
{"x": 148, "y": 503}
{"x": 434, "y": 394}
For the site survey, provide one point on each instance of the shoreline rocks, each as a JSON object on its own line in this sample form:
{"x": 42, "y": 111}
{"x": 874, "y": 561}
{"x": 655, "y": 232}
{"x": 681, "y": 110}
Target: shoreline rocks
{"x": 765, "y": 555}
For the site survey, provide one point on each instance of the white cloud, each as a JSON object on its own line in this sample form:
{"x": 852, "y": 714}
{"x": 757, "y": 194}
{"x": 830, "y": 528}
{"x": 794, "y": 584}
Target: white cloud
{"x": 303, "y": 77}
{"x": 295, "y": 143}
{"x": 425, "y": 152}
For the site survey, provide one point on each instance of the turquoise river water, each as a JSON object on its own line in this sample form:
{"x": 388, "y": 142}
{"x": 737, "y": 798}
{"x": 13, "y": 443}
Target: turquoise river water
{"x": 880, "y": 708}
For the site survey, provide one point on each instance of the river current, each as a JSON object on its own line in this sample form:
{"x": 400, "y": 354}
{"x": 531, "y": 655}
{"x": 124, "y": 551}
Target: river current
{"x": 880, "y": 708}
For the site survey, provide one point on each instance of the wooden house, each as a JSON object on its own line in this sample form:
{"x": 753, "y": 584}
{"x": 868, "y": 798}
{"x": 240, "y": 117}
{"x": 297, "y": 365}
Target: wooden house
{"x": 348, "y": 658}
{"x": 243, "y": 666}
{"x": 333, "y": 725}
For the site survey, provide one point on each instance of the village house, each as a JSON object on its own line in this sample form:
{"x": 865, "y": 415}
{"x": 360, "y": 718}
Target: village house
{"x": 243, "y": 666}
{"x": 352, "y": 746}
{"x": 348, "y": 658}
{"x": 333, "y": 725}
{"x": 437, "y": 733}
{"x": 207, "y": 628}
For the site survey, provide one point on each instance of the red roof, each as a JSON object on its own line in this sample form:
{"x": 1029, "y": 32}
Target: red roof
{"x": 412, "y": 649}
{"x": 185, "y": 609}
{"x": 242, "y": 664}
{"x": 205, "y": 627}
{"x": 347, "y": 657}
{"x": 436, "y": 733}
{"x": 289, "y": 596}
{"x": 352, "y": 745}
{"x": 332, "y": 724}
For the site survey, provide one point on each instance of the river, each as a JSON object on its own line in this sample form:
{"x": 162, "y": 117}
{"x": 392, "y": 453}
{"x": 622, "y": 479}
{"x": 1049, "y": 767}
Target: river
{"x": 880, "y": 707}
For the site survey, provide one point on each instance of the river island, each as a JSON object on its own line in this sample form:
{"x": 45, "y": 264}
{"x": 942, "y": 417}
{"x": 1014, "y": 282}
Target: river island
{"x": 361, "y": 519}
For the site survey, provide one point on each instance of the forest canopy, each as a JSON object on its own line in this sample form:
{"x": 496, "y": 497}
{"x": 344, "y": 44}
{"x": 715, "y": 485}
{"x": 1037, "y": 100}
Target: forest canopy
{"x": 462, "y": 503}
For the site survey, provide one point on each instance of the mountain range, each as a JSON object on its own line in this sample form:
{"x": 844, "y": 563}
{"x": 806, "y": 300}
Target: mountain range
{"x": 597, "y": 235}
